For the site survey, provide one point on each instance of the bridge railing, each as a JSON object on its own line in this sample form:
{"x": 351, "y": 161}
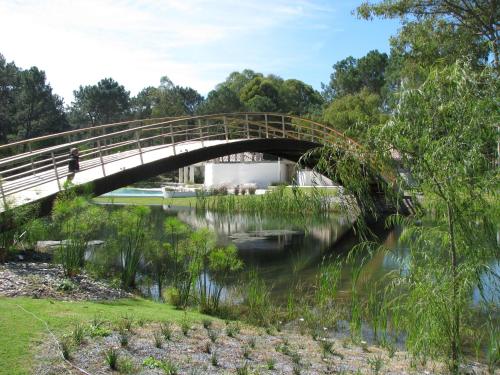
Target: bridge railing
{"x": 38, "y": 161}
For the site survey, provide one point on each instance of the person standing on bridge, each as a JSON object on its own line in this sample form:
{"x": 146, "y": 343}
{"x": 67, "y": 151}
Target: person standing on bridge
{"x": 74, "y": 164}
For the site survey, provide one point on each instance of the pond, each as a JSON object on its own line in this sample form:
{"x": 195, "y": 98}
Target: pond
{"x": 288, "y": 250}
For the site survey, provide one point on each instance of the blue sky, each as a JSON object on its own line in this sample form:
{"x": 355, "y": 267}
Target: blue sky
{"x": 196, "y": 43}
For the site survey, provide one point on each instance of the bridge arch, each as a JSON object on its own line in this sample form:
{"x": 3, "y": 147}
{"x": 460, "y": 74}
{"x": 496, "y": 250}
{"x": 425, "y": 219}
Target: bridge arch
{"x": 118, "y": 154}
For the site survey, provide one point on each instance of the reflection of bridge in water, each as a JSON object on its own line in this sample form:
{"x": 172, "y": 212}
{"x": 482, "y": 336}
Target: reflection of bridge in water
{"x": 117, "y": 155}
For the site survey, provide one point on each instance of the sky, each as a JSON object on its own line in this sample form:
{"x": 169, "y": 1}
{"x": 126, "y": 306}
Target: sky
{"x": 196, "y": 43}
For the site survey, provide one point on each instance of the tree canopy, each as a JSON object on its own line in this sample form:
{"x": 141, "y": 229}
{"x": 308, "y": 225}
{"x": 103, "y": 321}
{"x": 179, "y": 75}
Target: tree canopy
{"x": 102, "y": 103}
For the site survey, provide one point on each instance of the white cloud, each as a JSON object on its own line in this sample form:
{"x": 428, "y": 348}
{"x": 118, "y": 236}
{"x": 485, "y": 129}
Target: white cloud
{"x": 195, "y": 42}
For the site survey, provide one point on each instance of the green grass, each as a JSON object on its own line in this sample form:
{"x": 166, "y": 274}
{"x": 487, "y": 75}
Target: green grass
{"x": 188, "y": 201}
{"x": 21, "y": 333}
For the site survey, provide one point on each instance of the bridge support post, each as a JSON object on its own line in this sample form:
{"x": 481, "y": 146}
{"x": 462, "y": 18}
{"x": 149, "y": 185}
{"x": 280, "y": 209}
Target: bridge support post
{"x": 31, "y": 159}
{"x": 283, "y": 126}
{"x": 225, "y": 129}
{"x": 101, "y": 158}
{"x": 248, "y": 126}
{"x": 172, "y": 138}
{"x": 138, "y": 138}
{"x": 201, "y": 133}
{"x": 267, "y": 126}
{"x": 54, "y": 164}
{"x": 4, "y": 200}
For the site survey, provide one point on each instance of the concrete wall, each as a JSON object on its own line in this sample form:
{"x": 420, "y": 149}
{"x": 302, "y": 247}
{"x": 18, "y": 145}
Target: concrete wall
{"x": 232, "y": 174}
{"x": 310, "y": 178}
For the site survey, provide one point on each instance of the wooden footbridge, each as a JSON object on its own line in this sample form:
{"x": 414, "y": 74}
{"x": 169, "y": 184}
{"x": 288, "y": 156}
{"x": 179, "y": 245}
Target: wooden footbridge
{"x": 116, "y": 155}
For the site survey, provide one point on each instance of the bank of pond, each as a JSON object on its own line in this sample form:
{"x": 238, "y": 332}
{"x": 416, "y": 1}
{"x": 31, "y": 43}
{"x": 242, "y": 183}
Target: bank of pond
{"x": 287, "y": 266}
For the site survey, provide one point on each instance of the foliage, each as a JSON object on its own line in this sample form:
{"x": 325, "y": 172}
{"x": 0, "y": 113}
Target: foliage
{"x": 20, "y": 227}
{"x": 77, "y": 221}
{"x": 257, "y": 299}
{"x": 102, "y": 103}
{"x": 28, "y": 108}
{"x": 351, "y": 75}
{"x": 444, "y": 132}
{"x": 132, "y": 236}
{"x": 172, "y": 100}
{"x": 478, "y": 17}
{"x": 354, "y": 114}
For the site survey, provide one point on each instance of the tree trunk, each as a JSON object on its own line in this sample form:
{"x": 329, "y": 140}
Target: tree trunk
{"x": 455, "y": 330}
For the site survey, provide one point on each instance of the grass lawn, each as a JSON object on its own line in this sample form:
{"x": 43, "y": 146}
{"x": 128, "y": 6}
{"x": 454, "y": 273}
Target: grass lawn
{"x": 20, "y": 332}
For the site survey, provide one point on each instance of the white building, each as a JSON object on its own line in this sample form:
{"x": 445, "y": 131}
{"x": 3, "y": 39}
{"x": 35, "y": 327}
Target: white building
{"x": 249, "y": 169}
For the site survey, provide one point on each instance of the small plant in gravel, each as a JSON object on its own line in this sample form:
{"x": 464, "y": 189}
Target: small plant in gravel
{"x": 167, "y": 366}
{"x": 65, "y": 346}
{"x": 66, "y": 285}
{"x": 296, "y": 370}
{"x": 213, "y": 360}
{"x": 364, "y": 346}
{"x": 246, "y": 352}
{"x": 207, "y": 349}
{"x": 270, "y": 330}
{"x": 207, "y": 323}
{"x": 166, "y": 331}
{"x": 212, "y": 335}
{"x": 295, "y": 358}
{"x": 283, "y": 348}
{"x": 111, "y": 356}
{"x": 157, "y": 338}
{"x": 243, "y": 370}
{"x": 99, "y": 331}
{"x": 252, "y": 342}
{"x": 271, "y": 363}
{"x": 97, "y": 321}
{"x": 326, "y": 347}
{"x": 126, "y": 322}
{"x": 185, "y": 327}
{"x": 123, "y": 337}
{"x": 232, "y": 329}
{"x": 78, "y": 334}
{"x": 141, "y": 322}
{"x": 126, "y": 366}
{"x": 376, "y": 364}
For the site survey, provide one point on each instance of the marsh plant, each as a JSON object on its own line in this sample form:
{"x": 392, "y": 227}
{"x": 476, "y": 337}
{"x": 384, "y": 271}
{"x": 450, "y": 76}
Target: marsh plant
{"x": 131, "y": 237}
{"x": 77, "y": 221}
{"x": 257, "y": 299}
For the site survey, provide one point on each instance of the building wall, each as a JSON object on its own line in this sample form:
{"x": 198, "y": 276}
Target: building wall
{"x": 231, "y": 174}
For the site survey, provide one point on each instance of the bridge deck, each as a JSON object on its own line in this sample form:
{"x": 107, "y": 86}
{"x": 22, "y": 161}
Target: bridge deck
{"x": 92, "y": 169}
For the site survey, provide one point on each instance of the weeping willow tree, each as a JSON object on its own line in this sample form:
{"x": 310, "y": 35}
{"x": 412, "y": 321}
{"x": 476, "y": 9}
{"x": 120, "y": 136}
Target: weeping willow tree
{"x": 442, "y": 135}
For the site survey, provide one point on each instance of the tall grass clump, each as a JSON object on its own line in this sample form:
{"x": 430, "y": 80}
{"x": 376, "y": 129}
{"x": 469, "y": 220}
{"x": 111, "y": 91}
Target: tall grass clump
{"x": 130, "y": 239}
{"x": 257, "y": 299}
{"x": 20, "y": 227}
{"x": 279, "y": 200}
{"x": 77, "y": 221}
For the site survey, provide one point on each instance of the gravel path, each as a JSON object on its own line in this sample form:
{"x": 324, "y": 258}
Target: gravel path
{"x": 46, "y": 280}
